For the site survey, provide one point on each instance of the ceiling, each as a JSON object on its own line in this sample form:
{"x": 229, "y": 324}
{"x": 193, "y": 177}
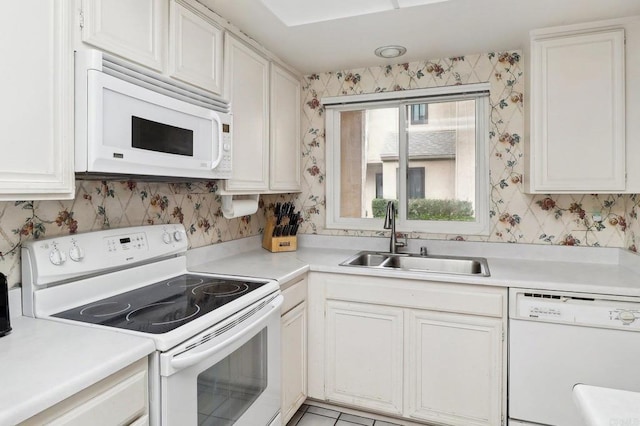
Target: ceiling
{"x": 442, "y": 29}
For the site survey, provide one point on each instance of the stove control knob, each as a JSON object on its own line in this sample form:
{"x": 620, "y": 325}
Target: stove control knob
{"x": 76, "y": 253}
{"x": 626, "y": 317}
{"x": 166, "y": 237}
{"x": 57, "y": 257}
{"x": 177, "y": 236}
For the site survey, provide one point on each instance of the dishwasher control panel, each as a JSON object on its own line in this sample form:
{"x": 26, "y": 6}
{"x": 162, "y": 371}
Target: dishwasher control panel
{"x": 575, "y": 309}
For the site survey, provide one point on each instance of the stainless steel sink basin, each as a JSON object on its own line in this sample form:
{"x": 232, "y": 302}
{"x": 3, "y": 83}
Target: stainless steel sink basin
{"x": 418, "y": 263}
{"x": 368, "y": 259}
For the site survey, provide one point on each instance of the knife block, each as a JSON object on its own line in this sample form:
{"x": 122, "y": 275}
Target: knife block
{"x": 277, "y": 244}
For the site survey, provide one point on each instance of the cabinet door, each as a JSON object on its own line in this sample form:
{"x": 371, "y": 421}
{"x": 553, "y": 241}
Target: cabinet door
{"x": 195, "y": 49}
{"x": 578, "y": 113}
{"x": 36, "y": 107}
{"x": 294, "y": 360}
{"x": 134, "y": 30}
{"x": 285, "y": 131}
{"x": 247, "y": 86}
{"x": 120, "y": 399}
{"x": 364, "y": 356}
{"x": 454, "y": 369}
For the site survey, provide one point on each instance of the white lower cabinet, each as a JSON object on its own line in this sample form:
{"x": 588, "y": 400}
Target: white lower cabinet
{"x": 364, "y": 355}
{"x": 454, "y": 368}
{"x": 428, "y": 352}
{"x": 294, "y": 348}
{"x": 120, "y": 399}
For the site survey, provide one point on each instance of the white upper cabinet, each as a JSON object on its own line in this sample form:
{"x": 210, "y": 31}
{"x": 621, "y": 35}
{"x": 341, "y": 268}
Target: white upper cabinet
{"x": 36, "y": 107}
{"x": 581, "y": 122}
{"x": 265, "y": 100}
{"x": 135, "y": 30}
{"x": 195, "y": 49}
{"x": 247, "y": 88}
{"x": 285, "y": 131}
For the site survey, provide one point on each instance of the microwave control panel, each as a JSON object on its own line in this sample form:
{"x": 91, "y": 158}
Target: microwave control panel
{"x": 224, "y": 168}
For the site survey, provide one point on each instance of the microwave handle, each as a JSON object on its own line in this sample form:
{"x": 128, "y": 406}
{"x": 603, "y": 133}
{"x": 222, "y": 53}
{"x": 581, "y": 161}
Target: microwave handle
{"x": 216, "y": 161}
{"x": 185, "y": 360}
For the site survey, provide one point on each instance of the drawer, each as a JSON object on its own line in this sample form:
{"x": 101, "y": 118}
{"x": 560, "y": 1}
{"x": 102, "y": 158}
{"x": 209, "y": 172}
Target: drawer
{"x": 119, "y": 399}
{"x": 294, "y": 293}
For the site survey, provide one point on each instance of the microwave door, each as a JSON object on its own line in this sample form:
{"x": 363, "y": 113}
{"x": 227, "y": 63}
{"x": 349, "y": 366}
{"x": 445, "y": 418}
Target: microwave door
{"x": 134, "y": 130}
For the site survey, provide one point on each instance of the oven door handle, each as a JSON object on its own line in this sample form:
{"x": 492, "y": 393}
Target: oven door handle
{"x": 192, "y": 357}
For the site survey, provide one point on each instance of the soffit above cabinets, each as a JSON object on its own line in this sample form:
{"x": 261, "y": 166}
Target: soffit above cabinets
{"x": 301, "y": 12}
{"x": 428, "y": 31}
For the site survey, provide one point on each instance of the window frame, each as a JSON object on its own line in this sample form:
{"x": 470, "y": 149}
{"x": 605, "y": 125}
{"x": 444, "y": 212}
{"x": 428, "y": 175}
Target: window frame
{"x": 335, "y": 105}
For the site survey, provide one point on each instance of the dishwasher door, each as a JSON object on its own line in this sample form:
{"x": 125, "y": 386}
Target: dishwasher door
{"x": 547, "y": 358}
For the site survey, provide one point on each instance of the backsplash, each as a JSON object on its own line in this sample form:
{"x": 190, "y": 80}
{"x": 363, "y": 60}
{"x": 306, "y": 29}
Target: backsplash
{"x": 516, "y": 217}
{"x": 100, "y": 205}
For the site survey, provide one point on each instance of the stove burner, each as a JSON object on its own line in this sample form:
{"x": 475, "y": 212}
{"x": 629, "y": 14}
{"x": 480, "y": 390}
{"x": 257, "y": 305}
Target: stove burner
{"x": 104, "y": 309}
{"x": 221, "y": 288}
{"x": 185, "y": 282}
{"x": 163, "y": 310}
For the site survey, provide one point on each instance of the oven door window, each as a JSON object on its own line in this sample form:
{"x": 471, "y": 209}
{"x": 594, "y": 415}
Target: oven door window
{"x": 227, "y": 389}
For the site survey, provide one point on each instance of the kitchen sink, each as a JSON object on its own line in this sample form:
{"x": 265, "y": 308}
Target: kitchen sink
{"x": 420, "y": 263}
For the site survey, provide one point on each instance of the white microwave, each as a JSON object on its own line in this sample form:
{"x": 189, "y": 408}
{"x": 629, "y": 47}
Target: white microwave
{"x": 132, "y": 122}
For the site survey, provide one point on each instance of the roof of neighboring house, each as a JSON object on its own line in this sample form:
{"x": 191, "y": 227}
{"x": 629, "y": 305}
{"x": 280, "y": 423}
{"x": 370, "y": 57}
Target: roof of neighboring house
{"x": 423, "y": 144}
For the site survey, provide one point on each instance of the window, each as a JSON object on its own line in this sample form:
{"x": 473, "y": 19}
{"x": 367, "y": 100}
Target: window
{"x": 415, "y": 183}
{"x": 419, "y": 114}
{"x": 373, "y": 140}
{"x": 378, "y": 185}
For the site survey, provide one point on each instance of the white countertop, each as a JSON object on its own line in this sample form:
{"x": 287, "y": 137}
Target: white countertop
{"x": 605, "y": 407}
{"x": 577, "y": 269}
{"x": 44, "y": 362}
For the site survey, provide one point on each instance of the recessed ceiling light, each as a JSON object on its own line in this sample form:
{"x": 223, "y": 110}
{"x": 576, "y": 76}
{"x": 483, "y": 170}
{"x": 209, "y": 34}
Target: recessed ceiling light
{"x": 388, "y": 52}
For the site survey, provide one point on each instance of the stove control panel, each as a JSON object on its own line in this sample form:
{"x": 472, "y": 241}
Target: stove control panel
{"x": 71, "y": 256}
{"x": 126, "y": 243}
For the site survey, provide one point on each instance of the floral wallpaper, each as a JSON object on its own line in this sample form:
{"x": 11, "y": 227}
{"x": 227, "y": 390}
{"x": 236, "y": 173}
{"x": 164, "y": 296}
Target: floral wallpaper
{"x": 516, "y": 217}
{"x": 100, "y": 205}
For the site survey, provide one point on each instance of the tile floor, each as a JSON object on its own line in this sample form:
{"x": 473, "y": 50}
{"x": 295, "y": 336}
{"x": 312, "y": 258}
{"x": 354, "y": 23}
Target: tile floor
{"x": 309, "y": 415}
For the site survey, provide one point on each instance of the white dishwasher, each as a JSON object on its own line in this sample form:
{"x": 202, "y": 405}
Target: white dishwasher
{"x": 560, "y": 339}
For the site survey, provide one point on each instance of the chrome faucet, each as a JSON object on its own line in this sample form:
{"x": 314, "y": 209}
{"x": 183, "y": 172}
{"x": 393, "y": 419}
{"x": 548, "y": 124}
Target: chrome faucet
{"x": 390, "y": 223}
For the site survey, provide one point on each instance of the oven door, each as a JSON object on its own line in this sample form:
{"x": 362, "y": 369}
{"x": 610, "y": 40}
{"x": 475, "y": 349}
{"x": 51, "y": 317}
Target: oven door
{"x": 227, "y": 375}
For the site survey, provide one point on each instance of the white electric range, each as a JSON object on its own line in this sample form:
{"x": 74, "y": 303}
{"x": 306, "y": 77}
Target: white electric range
{"x": 217, "y": 337}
